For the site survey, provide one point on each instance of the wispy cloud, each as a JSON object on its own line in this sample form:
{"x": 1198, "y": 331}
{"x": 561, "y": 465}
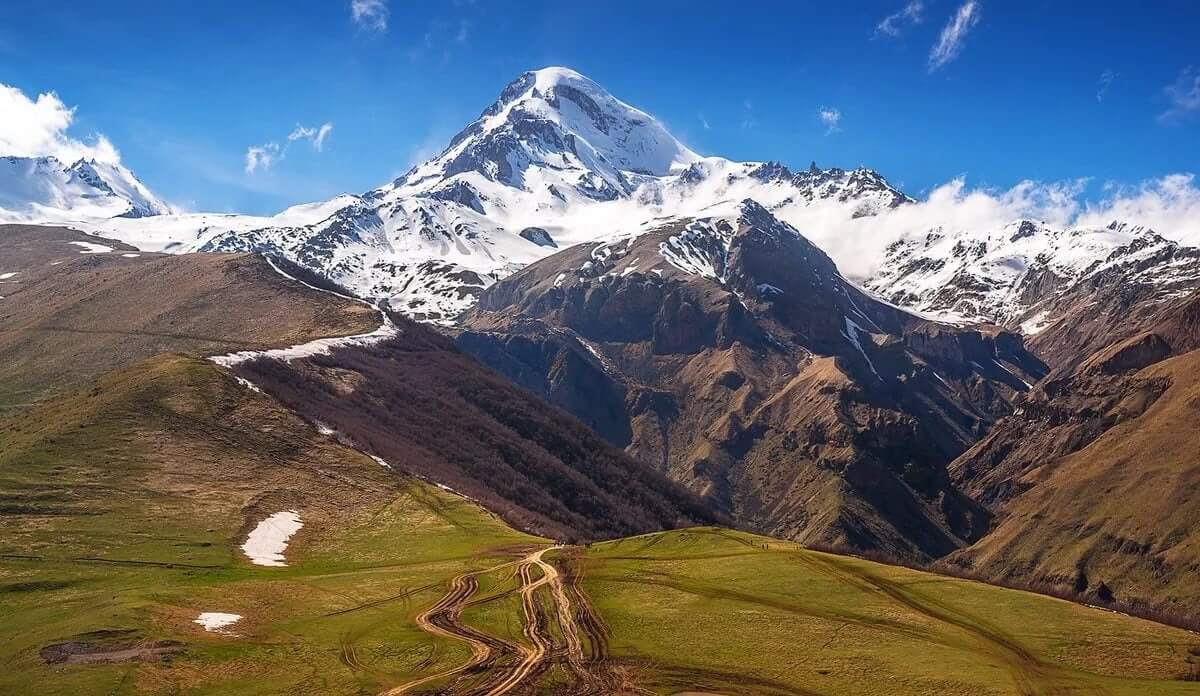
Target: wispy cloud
{"x": 370, "y": 14}
{"x": 831, "y": 117}
{"x": 894, "y": 24}
{"x": 950, "y": 41}
{"x": 1102, "y": 85}
{"x": 1183, "y": 96}
{"x": 261, "y": 158}
{"x": 315, "y": 135}
{"x": 703, "y": 121}
{"x": 38, "y": 128}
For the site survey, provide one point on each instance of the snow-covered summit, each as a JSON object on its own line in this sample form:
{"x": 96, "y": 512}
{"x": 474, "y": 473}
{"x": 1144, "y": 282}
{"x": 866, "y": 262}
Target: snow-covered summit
{"x": 45, "y": 189}
{"x": 555, "y": 160}
{"x": 556, "y": 119}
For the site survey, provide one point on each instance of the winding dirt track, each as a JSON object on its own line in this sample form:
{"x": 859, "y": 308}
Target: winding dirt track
{"x": 444, "y": 619}
{"x": 578, "y": 623}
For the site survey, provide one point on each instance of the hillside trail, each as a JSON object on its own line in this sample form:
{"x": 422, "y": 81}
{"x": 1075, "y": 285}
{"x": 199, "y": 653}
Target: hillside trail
{"x": 444, "y": 619}
{"x": 578, "y": 624}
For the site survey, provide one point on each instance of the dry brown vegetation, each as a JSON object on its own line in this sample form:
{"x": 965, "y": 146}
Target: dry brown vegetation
{"x": 68, "y": 317}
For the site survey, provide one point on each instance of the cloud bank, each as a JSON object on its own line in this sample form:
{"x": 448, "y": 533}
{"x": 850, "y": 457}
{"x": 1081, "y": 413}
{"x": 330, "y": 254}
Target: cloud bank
{"x": 1169, "y": 205}
{"x": 38, "y": 128}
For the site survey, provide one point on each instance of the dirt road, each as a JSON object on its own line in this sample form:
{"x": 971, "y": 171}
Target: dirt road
{"x": 578, "y": 623}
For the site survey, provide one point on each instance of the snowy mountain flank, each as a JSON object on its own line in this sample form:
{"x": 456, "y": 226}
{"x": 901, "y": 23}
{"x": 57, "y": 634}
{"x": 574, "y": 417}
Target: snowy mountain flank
{"x": 45, "y": 189}
{"x": 1016, "y": 275}
{"x": 557, "y": 161}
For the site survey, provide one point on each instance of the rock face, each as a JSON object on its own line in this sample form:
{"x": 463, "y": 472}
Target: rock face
{"x": 729, "y": 353}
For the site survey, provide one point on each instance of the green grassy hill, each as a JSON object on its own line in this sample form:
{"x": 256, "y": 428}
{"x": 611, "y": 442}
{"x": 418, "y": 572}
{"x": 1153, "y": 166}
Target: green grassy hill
{"x": 123, "y": 507}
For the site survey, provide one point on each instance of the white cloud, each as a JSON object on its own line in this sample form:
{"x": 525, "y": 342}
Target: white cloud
{"x": 262, "y": 157}
{"x": 831, "y": 117}
{"x": 315, "y": 135}
{"x": 704, "y": 122}
{"x": 370, "y": 14}
{"x": 950, "y": 42}
{"x": 894, "y": 24}
{"x": 1105, "y": 81}
{"x": 38, "y": 128}
{"x": 1183, "y": 96}
{"x": 1170, "y": 205}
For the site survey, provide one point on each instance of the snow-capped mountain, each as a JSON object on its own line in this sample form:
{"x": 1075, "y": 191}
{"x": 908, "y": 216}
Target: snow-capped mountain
{"x": 45, "y": 189}
{"x": 556, "y": 160}
{"x": 1013, "y": 275}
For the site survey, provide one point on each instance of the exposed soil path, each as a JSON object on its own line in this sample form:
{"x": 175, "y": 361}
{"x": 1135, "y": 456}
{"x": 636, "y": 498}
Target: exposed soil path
{"x": 581, "y": 631}
{"x": 534, "y": 656}
{"x": 444, "y": 619}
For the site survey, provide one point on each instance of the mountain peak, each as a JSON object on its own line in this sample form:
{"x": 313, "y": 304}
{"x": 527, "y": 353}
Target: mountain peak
{"x": 557, "y": 120}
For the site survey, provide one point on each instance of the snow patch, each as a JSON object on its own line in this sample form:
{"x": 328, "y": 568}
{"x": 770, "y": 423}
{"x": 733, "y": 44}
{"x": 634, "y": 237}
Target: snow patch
{"x": 1035, "y": 324}
{"x": 851, "y": 334}
{"x": 268, "y": 541}
{"x": 6, "y": 276}
{"x": 130, "y": 256}
{"x": 217, "y": 621}
{"x": 92, "y": 247}
{"x": 248, "y": 384}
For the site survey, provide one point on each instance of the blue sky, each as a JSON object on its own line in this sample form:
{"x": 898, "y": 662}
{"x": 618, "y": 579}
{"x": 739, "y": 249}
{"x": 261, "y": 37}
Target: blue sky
{"x": 184, "y": 89}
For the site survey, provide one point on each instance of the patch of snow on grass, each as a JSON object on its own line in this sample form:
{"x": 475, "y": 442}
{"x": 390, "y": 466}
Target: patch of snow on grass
{"x": 216, "y": 621}
{"x": 380, "y": 461}
{"x": 268, "y": 541}
{"x": 6, "y": 276}
{"x": 92, "y": 248}
{"x": 130, "y": 256}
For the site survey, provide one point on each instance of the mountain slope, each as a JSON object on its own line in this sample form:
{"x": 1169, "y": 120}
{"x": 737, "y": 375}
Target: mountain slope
{"x": 1093, "y": 477}
{"x": 1026, "y": 275}
{"x": 126, "y": 509}
{"x": 44, "y": 189}
{"x": 430, "y": 410}
{"x": 729, "y": 353}
{"x": 75, "y": 306}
